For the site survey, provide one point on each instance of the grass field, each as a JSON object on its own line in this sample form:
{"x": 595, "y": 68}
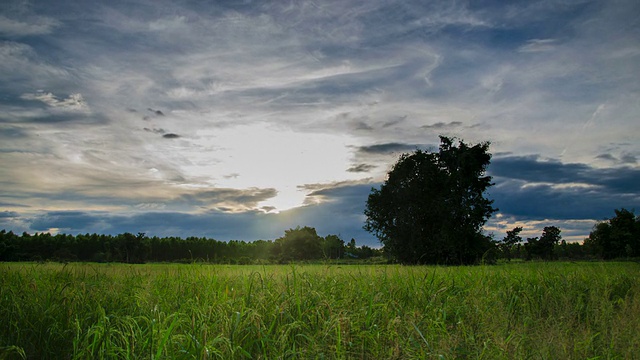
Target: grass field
{"x": 161, "y": 311}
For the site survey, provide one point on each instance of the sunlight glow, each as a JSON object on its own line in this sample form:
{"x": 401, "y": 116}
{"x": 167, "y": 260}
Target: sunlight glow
{"x": 269, "y": 157}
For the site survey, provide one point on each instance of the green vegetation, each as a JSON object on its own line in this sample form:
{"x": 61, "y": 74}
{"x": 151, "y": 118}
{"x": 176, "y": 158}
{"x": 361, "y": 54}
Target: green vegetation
{"x": 616, "y": 237}
{"x": 299, "y": 244}
{"x": 174, "y": 311}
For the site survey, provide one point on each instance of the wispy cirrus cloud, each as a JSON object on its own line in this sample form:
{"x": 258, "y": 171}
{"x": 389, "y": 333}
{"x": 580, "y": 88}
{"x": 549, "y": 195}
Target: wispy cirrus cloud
{"x": 27, "y": 26}
{"x": 538, "y": 45}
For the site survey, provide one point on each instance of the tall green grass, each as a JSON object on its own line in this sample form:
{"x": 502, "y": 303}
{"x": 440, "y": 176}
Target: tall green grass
{"x": 156, "y": 311}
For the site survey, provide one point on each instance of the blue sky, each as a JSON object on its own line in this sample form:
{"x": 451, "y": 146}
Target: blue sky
{"x": 241, "y": 119}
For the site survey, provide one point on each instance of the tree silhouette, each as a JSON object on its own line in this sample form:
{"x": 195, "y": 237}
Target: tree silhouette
{"x": 616, "y": 237}
{"x": 432, "y": 207}
{"x": 508, "y": 242}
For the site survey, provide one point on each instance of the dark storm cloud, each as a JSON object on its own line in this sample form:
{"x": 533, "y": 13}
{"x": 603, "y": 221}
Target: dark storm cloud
{"x": 629, "y": 159}
{"x": 75, "y": 221}
{"x": 8, "y": 214}
{"x": 442, "y": 125}
{"x": 530, "y": 188}
{"x": 344, "y": 191}
{"x": 537, "y": 202}
{"x": 362, "y": 125}
{"x": 13, "y": 205}
{"x": 13, "y": 132}
{"x": 246, "y": 197}
{"x": 387, "y": 148}
{"x": 53, "y": 118}
{"x": 394, "y": 121}
{"x": 607, "y": 157}
{"x": 361, "y": 168}
{"x": 341, "y": 213}
{"x": 268, "y": 208}
{"x": 224, "y": 199}
{"x": 531, "y": 169}
{"x": 156, "y": 112}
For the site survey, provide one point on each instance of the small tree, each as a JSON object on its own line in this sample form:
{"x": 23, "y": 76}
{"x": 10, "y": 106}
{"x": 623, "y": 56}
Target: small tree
{"x": 549, "y": 239}
{"x": 509, "y": 241}
{"x": 299, "y": 244}
{"x": 532, "y": 248}
{"x": 333, "y": 247}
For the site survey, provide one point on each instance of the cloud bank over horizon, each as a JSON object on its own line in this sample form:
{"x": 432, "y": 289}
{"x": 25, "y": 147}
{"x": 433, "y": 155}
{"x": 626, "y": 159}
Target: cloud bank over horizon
{"x": 239, "y": 120}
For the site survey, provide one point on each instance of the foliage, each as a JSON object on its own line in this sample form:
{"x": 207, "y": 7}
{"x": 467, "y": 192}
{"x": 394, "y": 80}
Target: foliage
{"x": 175, "y": 311}
{"x": 549, "y": 246}
{"x": 616, "y": 237}
{"x": 510, "y": 241}
{"x": 543, "y": 247}
{"x": 431, "y": 208}
{"x": 297, "y": 245}
{"x": 550, "y": 237}
{"x": 332, "y": 247}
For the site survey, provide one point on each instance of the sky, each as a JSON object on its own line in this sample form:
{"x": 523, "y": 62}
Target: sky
{"x": 242, "y": 119}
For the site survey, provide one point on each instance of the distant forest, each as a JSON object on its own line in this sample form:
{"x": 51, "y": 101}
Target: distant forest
{"x": 615, "y": 238}
{"x": 299, "y": 244}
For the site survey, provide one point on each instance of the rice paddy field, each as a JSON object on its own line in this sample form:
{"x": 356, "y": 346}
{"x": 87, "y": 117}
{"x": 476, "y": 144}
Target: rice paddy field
{"x": 552, "y": 310}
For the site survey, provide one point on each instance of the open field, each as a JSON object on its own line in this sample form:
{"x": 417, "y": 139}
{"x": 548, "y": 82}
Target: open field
{"x": 161, "y": 311}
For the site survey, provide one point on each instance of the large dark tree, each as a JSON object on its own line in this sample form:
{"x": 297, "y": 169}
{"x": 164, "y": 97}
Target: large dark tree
{"x": 432, "y": 206}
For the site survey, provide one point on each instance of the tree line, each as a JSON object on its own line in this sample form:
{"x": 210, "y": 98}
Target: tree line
{"x": 299, "y": 244}
{"x": 614, "y": 238}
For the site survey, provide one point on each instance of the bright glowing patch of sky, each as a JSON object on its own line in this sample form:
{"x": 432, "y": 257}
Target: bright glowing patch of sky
{"x": 237, "y": 120}
{"x": 257, "y": 156}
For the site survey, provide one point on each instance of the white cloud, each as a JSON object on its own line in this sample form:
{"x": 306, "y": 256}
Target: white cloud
{"x": 538, "y": 45}
{"x": 34, "y": 25}
{"x": 175, "y": 23}
{"x": 74, "y": 102}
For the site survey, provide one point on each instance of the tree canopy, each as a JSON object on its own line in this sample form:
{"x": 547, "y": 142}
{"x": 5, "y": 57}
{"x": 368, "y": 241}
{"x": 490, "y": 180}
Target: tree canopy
{"x": 299, "y": 244}
{"x": 616, "y": 237}
{"x": 543, "y": 247}
{"x": 511, "y": 240}
{"x": 432, "y": 206}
